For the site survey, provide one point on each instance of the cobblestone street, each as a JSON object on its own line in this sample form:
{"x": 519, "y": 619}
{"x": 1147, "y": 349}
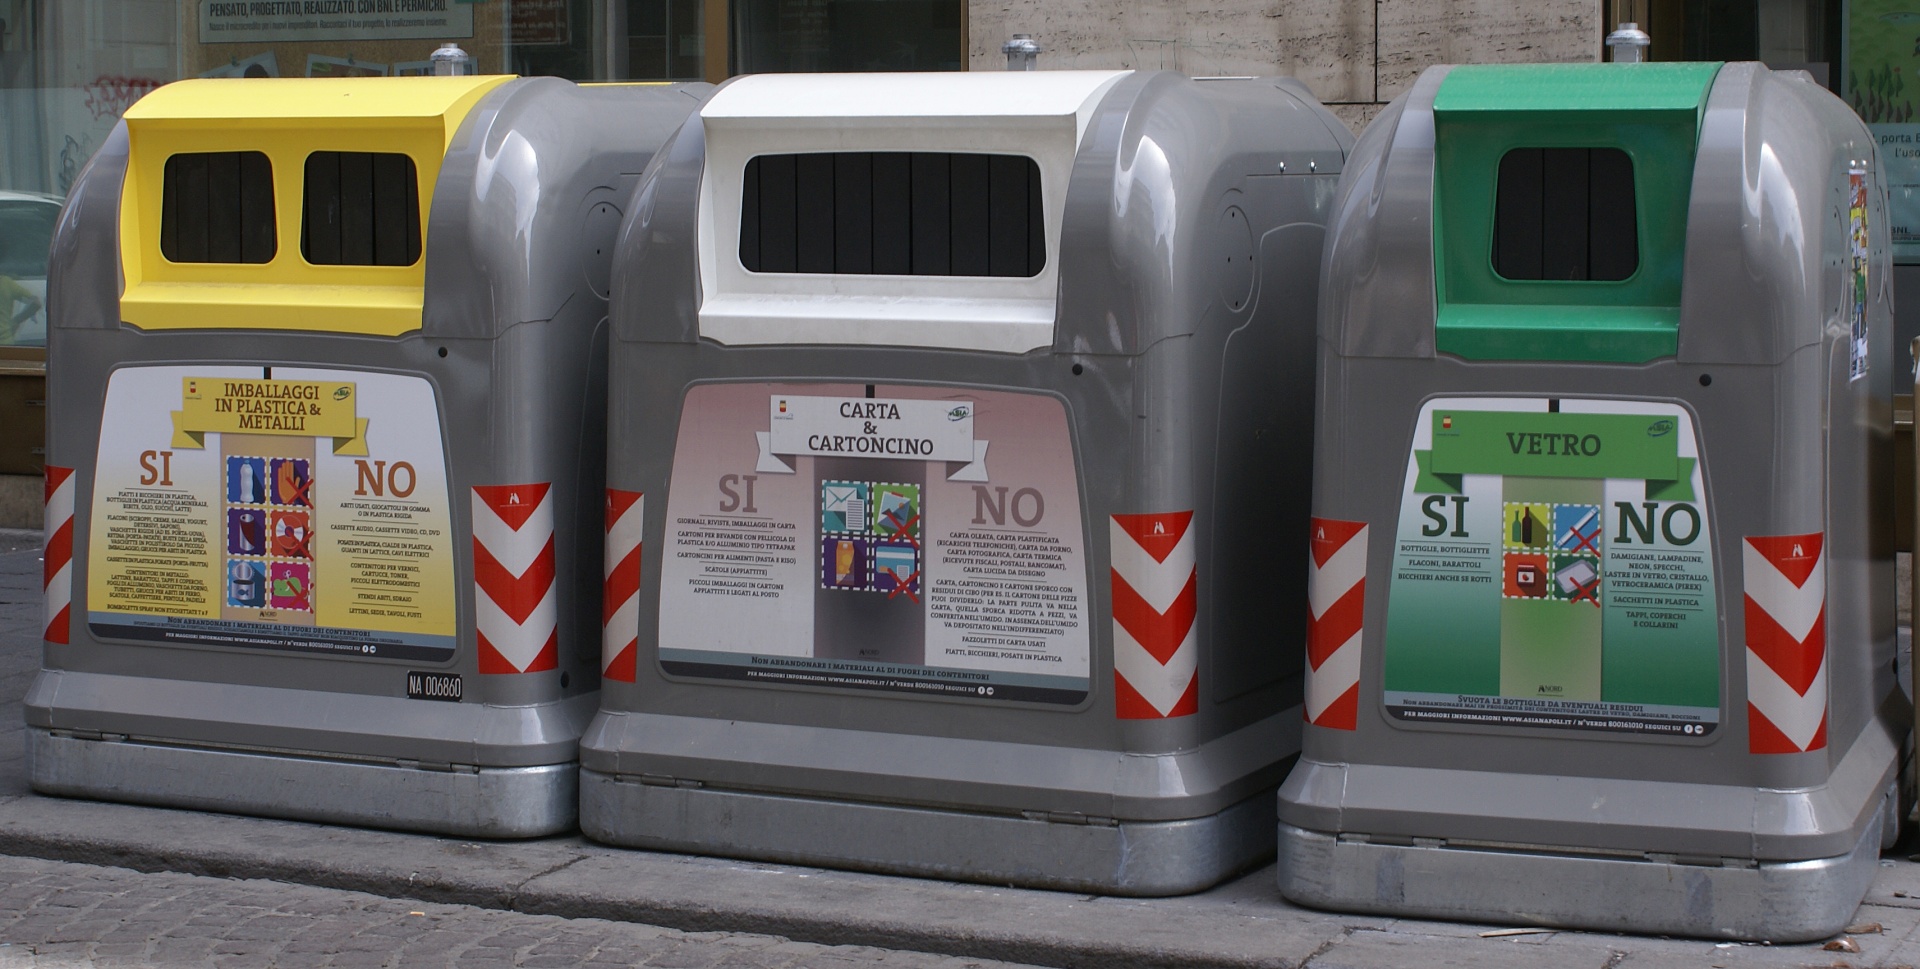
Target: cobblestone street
{"x": 58, "y": 914}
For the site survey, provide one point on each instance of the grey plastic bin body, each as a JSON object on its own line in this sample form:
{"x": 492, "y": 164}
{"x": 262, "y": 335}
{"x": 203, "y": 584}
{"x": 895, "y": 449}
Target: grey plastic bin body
{"x": 963, "y": 572}
{"x": 1699, "y": 731}
{"x": 393, "y": 628}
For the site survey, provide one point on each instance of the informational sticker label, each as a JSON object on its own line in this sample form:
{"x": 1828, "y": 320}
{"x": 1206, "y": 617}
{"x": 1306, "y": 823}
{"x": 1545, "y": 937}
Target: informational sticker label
{"x": 306, "y": 511}
{"x": 919, "y": 540}
{"x": 1553, "y": 567}
{"x": 929, "y": 430}
{"x": 305, "y": 21}
{"x": 1857, "y": 246}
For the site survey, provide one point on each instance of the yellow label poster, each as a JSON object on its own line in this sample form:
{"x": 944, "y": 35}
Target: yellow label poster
{"x": 302, "y": 408}
{"x": 236, "y": 508}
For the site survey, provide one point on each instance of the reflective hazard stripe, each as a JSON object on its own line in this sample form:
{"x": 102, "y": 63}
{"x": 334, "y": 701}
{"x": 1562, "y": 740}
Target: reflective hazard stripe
{"x": 1156, "y": 593}
{"x": 1785, "y": 578}
{"x": 1336, "y": 606}
{"x": 620, "y": 598}
{"x": 516, "y": 617}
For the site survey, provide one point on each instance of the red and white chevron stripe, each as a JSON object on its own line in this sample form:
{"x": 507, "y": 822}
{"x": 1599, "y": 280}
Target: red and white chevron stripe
{"x": 1786, "y": 612}
{"x": 57, "y": 585}
{"x": 1156, "y": 593}
{"x": 1336, "y": 604}
{"x": 516, "y": 617}
{"x": 620, "y": 598}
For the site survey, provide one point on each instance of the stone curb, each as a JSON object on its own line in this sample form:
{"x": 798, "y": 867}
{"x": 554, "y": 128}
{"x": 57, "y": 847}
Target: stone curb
{"x": 1237, "y": 925}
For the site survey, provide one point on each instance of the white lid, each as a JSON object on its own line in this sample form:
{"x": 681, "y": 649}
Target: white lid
{"x": 1037, "y": 114}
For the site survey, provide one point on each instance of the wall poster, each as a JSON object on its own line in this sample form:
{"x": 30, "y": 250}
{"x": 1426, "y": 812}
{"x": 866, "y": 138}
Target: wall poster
{"x": 1883, "y": 53}
{"x": 298, "y": 21}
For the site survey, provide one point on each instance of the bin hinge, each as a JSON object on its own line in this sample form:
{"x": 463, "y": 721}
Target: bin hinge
{"x": 660, "y": 780}
{"x": 1387, "y": 840}
{"x": 112, "y": 738}
{"x": 1070, "y": 817}
{"x": 1693, "y": 861}
{"x": 441, "y": 767}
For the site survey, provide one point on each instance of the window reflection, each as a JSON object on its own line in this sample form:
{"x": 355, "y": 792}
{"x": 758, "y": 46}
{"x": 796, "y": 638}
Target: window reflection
{"x": 846, "y": 35}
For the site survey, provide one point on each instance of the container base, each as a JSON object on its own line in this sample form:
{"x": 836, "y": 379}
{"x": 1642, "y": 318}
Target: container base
{"x": 1766, "y": 901}
{"x": 515, "y": 802}
{"x": 1110, "y": 858}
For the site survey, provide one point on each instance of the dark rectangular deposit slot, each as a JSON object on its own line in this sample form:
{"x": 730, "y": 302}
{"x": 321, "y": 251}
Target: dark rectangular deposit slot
{"x": 360, "y": 209}
{"x": 1565, "y": 213}
{"x": 217, "y": 206}
{"x": 892, "y": 213}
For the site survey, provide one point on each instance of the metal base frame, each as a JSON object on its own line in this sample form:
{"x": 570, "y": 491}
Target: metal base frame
{"x": 516, "y": 802}
{"x": 1110, "y": 858}
{"x": 1766, "y": 901}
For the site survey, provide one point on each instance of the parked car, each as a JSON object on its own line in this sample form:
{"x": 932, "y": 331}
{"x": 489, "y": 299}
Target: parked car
{"x": 26, "y": 232}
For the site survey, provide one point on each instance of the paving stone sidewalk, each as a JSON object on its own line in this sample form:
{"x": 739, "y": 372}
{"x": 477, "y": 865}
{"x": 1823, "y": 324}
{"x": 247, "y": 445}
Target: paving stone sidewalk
{"x": 58, "y": 914}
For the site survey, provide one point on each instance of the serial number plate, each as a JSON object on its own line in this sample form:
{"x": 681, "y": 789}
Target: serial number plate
{"x": 433, "y": 686}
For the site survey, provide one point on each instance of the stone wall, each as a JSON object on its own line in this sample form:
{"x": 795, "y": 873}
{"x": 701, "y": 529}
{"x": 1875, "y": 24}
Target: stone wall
{"x": 22, "y": 500}
{"x": 1355, "y": 54}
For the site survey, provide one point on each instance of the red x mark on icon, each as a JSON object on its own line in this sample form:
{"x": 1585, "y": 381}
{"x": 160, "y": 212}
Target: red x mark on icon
{"x": 300, "y": 489}
{"x": 903, "y": 529}
{"x": 900, "y": 584}
{"x": 302, "y": 544}
{"x": 1589, "y": 591}
{"x": 1586, "y": 543}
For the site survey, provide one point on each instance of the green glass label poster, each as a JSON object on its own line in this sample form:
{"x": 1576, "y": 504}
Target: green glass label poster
{"x": 1553, "y": 568}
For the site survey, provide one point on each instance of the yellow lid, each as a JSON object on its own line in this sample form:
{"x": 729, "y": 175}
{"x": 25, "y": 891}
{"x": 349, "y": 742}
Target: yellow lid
{"x": 285, "y": 119}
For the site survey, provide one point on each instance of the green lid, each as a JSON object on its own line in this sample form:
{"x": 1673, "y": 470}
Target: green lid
{"x": 1652, "y": 113}
{"x": 1590, "y": 89}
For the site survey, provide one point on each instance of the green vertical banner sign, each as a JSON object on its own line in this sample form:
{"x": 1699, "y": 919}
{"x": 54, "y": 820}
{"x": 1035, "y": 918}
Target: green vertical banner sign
{"x": 1883, "y": 85}
{"x": 1553, "y": 568}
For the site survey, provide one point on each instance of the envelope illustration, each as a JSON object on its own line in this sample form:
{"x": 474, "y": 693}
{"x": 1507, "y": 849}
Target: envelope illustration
{"x": 843, "y": 506}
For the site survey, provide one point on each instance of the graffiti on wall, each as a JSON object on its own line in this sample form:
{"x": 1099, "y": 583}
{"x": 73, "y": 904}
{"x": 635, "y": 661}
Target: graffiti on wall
{"x": 109, "y": 96}
{"x": 73, "y": 155}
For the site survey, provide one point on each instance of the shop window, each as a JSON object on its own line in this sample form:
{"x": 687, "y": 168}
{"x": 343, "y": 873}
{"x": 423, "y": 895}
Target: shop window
{"x": 217, "y": 206}
{"x": 1565, "y": 214}
{"x": 361, "y": 209}
{"x": 772, "y": 36}
{"x": 893, "y": 213}
{"x": 664, "y": 39}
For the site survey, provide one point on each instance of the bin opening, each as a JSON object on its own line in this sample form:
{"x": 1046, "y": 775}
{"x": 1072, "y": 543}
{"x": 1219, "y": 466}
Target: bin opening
{"x": 1560, "y": 204}
{"x": 218, "y": 207}
{"x": 1565, "y": 213}
{"x": 285, "y": 203}
{"x": 897, "y": 213}
{"x": 360, "y": 208}
{"x": 816, "y": 188}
